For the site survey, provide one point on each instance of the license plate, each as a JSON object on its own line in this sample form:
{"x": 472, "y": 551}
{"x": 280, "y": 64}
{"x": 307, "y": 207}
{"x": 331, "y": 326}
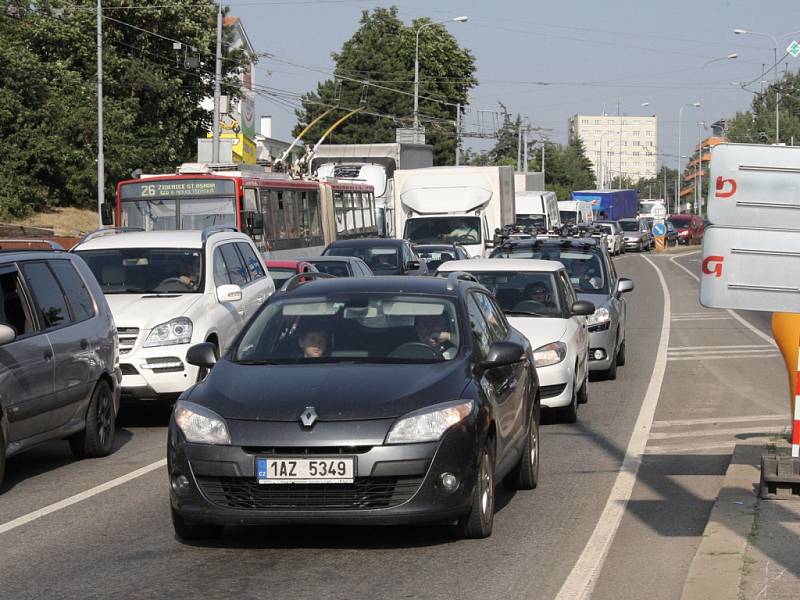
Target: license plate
{"x": 338, "y": 469}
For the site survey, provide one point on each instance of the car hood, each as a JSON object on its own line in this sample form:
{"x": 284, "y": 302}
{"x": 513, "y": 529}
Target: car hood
{"x": 337, "y": 391}
{"x": 598, "y": 300}
{"x": 538, "y": 330}
{"x": 145, "y": 311}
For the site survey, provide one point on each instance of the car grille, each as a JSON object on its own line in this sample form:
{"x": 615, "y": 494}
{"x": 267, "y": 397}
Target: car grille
{"x": 127, "y": 338}
{"x": 551, "y": 391}
{"x": 364, "y": 492}
{"x": 128, "y": 369}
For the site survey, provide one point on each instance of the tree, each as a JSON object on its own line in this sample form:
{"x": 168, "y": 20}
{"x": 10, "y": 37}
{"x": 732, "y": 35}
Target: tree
{"x": 375, "y": 70}
{"x": 566, "y": 168}
{"x": 48, "y": 117}
{"x": 757, "y": 125}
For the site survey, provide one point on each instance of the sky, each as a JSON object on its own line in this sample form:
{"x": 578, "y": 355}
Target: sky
{"x": 551, "y": 60}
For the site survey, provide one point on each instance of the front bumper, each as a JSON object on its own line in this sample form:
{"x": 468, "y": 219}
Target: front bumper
{"x": 556, "y": 383}
{"x": 393, "y": 483}
{"x": 634, "y": 244}
{"x": 604, "y": 341}
{"x": 156, "y": 372}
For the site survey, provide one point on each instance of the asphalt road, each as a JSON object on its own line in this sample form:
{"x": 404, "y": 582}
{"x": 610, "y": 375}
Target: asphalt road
{"x": 120, "y": 541}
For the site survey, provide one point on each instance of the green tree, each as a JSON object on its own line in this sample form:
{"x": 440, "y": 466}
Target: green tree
{"x": 757, "y": 125}
{"x": 48, "y": 117}
{"x": 566, "y": 168}
{"x": 375, "y": 70}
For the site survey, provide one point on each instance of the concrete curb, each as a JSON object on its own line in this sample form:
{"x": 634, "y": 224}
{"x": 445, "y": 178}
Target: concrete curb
{"x": 715, "y": 571}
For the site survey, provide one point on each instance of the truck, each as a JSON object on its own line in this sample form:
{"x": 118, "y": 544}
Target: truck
{"x": 462, "y": 205}
{"x": 537, "y": 209}
{"x": 646, "y": 206}
{"x": 375, "y": 165}
{"x": 610, "y": 204}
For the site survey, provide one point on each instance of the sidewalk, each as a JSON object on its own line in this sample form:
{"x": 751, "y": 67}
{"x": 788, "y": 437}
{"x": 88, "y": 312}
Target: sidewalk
{"x": 751, "y": 547}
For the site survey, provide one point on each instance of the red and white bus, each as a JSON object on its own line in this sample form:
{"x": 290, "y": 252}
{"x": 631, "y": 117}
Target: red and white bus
{"x": 285, "y": 217}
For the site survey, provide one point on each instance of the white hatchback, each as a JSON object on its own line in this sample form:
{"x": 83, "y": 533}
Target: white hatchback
{"x": 170, "y": 289}
{"x": 539, "y": 301}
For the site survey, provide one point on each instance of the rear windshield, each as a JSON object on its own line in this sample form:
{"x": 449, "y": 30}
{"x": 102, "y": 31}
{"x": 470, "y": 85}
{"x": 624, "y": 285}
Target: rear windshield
{"x": 629, "y": 225}
{"x": 535, "y": 221}
{"x": 585, "y": 268}
{"x": 379, "y": 258}
{"x": 335, "y": 268}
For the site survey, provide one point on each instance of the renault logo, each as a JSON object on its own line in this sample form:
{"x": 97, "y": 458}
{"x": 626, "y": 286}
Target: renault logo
{"x": 308, "y": 417}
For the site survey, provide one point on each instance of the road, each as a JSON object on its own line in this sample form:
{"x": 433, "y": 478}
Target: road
{"x": 721, "y": 380}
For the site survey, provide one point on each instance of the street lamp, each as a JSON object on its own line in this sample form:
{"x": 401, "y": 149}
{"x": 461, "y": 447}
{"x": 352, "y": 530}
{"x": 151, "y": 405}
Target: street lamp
{"x": 775, "y": 77}
{"x": 713, "y": 60}
{"x": 461, "y": 19}
{"x": 678, "y": 175}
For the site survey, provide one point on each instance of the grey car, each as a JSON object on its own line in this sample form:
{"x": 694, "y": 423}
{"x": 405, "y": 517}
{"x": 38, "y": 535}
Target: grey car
{"x": 636, "y": 234}
{"x": 59, "y": 372}
{"x": 340, "y": 266}
{"x": 594, "y": 278}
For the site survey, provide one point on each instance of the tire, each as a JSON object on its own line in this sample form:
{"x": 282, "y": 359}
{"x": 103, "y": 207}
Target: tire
{"x": 477, "y": 523}
{"x": 569, "y": 413}
{"x": 525, "y": 474}
{"x": 611, "y": 372}
{"x": 583, "y": 392}
{"x": 2, "y": 459}
{"x": 97, "y": 438}
{"x": 202, "y": 372}
{"x": 188, "y": 531}
{"x": 621, "y": 354}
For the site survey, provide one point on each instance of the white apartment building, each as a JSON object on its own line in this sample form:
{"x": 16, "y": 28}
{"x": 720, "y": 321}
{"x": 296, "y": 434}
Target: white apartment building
{"x": 605, "y": 137}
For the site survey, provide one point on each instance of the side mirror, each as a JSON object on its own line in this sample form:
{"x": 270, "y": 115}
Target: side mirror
{"x": 582, "y": 308}
{"x": 502, "y": 354}
{"x": 107, "y": 213}
{"x": 202, "y": 355}
{"x": 229, "y": 293}
{"x": 412, "y": 265}
{"x": 7, "y": 335}
{"x": 624, "y": 285}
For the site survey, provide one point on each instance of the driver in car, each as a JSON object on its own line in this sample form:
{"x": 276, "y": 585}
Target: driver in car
{"x": 433, "y": 331}
{"x": 190, "y": 274}
{"x": 586, "y": 274}
{"x": 535, "y": 297}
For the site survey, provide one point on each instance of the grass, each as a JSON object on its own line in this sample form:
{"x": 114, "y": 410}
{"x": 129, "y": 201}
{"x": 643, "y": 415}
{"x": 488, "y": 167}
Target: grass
{"x": 64, "y": 221}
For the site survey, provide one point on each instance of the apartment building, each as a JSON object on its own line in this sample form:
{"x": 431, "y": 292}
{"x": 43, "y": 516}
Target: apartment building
{"x": 609, "y": 138}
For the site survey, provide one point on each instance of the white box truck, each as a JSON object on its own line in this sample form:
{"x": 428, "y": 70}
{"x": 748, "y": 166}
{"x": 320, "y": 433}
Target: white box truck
{"x": 463, "y": 205}
{"x": 538, "y": 210}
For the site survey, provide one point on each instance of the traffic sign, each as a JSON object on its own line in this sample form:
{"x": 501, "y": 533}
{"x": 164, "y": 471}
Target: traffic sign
{"x": 793, "y": 49}
{"x": 659, "y": 229}
{"x": 659, "y": 211}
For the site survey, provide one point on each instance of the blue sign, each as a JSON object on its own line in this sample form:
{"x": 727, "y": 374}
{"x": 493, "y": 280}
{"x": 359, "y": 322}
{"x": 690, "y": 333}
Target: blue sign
{"x": 659, "y": 229}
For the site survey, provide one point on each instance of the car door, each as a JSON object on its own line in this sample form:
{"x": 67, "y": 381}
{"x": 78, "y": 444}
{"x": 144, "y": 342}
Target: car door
{"x": 26, "y": 364}
{"x": 262, "y": 286}
{"x": 617, "y": 300}
{"x": 230, "y": 319}
{"x": 577, "y": 327}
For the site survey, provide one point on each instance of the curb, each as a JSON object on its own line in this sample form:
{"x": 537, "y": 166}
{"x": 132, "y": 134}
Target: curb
{"x": 715, "y": 571}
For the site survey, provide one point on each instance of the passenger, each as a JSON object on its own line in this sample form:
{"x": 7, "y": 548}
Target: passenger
{"x": 434, "y": 332}
{"x": 313, "y": 341}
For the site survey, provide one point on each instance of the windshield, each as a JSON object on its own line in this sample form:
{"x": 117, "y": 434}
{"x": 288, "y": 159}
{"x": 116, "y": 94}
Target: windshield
{"x": 681, "y": 222}
{"x": 161, "y": 215}
{"x": 199, "y": 213}
{"x": 453, "y": 230}
{"x": 335, "y": 268}
{"x": 531, "y": 293}
{"x": 150, "y": 215}
{"x": 536, "y": 221}
{"x": 585, "y": 269}
{"x": 378, "y": 258}
{"x": 146, "y": 270}
{"x": 629, "y": 225}
{"x": 568, "y": 216}
{"x": 352, "y": 327}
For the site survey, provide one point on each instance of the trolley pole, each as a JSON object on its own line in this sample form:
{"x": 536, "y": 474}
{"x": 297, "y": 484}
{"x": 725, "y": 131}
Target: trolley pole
{"x": 217, "y": 88}
{"x": 101, "y": 167}
{"x": 458, "y": 132}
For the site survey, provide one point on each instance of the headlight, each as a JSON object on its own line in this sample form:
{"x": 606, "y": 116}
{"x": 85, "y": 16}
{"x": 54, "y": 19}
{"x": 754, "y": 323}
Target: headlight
{"x": 550, "y": 354}
{"x": 600, "y": 317}
{"x": 200, "y": 425}
{"x": 176, "y": 331}
{"x": 430, "y": 424}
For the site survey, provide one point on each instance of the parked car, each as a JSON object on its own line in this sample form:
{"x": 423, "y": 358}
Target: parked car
{"x": 59, "y": 373}
{"x": 672, "y": 234}
{"x": 170, "y": 289}
{"x": 436, "y": 254}
{"x": 690, "y": 228}
{"x": 614, "y": 236}
{"x": 592, "y": 274}
{"x": 636, "y": 234}
{"x": 417, "y": 398}
{"x": 283, "y": 270}
{"x": 539, "y": 300}
{"x": 383, "y": 256}
{"x": 340, "y": 266}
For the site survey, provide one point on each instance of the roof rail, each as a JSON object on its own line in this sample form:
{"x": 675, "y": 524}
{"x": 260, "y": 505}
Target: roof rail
{"x": 297, "y": 280}
{"x": 55, "y": 246}
{"x": 456, "y": 276}
{"x": 209, "y": 231}
{"x": 107, "y": 230}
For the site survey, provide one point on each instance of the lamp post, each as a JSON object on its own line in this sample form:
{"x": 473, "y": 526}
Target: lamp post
{"x": 461, "y": 19}
{"x": 775, "y": 77}
{"x": 678, "y": 175}
{"x": 713, "y": 60}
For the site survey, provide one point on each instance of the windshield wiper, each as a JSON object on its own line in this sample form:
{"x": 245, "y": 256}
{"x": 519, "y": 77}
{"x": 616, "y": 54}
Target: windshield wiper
{"x": 523, "y": 313}
{"x": 257, "y": 362}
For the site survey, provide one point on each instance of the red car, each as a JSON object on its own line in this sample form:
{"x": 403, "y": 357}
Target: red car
{"x": 282, "y": 270}
{"x": 690, "y": 228}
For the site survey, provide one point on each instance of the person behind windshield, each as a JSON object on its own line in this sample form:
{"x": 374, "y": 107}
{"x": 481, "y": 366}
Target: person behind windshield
{"x": 586, "y": 274}
{"x": 313, "y": 341}
{"x": 190, "y": 273}
{"x": 535, "y": 297}
{"x": 434, "y": 332}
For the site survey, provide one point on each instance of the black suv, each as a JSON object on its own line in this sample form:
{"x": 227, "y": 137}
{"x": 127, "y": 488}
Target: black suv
{"x": 595, "y": 279}
{"x": 59, "y": 359}
{"x": 384, "y": 256}
{"x": 376, "y": 400}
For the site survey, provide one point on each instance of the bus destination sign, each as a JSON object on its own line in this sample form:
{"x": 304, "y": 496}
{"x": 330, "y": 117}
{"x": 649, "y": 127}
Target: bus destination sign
{"x": 177, "y": 188}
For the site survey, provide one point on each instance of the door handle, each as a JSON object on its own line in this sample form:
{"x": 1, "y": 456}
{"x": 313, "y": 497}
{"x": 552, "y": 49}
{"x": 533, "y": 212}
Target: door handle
{"x": 84, "y": 344}
{"x": 241, "y": 312}
{"x": 48, "y": 355}
{"x": 260, "y": 299}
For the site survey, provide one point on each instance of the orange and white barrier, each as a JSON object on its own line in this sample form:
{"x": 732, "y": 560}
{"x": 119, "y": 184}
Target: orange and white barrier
{"x": 796, "y": 423}
{"x": 786, "y": 331}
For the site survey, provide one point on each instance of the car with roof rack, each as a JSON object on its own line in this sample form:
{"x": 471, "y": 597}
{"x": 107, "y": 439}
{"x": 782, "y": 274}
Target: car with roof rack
{"x": 594, "y": 277}
{"x": 59, "y": 360}
{"x": 417, "y": 398}
{"x": 171, "y": 289}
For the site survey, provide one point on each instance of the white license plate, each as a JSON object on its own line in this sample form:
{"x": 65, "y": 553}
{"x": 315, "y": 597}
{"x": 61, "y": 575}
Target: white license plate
{"x": 340, "y": 469}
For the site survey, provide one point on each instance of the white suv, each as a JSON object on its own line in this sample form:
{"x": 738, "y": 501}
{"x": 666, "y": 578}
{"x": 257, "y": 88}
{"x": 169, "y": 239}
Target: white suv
{"x": 170, "y": 289}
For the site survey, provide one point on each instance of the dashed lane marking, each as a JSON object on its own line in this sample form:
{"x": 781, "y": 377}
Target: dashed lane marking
{"x": 699, "y": 433}
{"x": 725, "y": 446}
{"x": 714, "y": 420}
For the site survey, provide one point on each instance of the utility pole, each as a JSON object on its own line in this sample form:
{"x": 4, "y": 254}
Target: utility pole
{"x": 217, "y": 88}
{"x": 101, "y": 166}
{"x": 525, "y": 149}
{"x": 519, "y": 148}
{"x": 619, "y": 116}
{"x": 544, "y": 146}
{"x": 458, "y": 131}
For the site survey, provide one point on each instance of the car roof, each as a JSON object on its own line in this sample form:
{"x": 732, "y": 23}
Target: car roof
{"x": 362, "y": 242}
{"x": 18, "y": 254}
{"x": 501, "y": 264}
{"x": 561, "y": 242}
{"x": 156, "y": 239}
{"x": 436, "y": 286}
{"x": 314, "y": 259}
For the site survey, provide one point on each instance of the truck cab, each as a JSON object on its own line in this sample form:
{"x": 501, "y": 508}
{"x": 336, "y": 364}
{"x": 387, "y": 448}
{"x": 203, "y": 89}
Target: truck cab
{"x": 537, "y": 209}
{"x": 575, "y": 212}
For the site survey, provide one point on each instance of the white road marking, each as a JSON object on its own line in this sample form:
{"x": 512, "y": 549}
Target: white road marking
{"x": 703, "y": 318}
{"x": 725, "y": 357}
{"x": 714, "y": 420}
{"x": 712, "y": 432}
{"x": 718, "y": 351}
{"x": 727, "y": 446}
{"x": 583, "y": 577}
{"x": 753, "y": 346}
{"x": 732, "y": 313}
{"x": 103, "y": 487}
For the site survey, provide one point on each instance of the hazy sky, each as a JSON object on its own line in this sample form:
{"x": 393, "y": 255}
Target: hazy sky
{"x": 550, "y": 60}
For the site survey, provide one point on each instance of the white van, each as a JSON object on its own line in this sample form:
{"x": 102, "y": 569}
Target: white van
{"x": 575, "y": 212}
{"x": 537, "y": 209}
